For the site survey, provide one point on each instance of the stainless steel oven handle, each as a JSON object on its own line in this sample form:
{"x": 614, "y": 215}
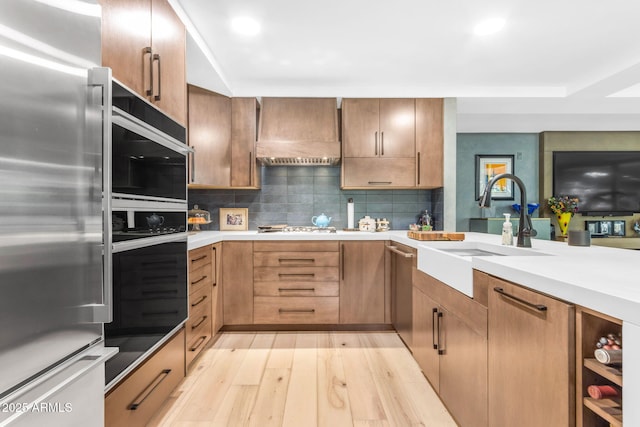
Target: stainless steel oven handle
{"x": 102, "y": 313}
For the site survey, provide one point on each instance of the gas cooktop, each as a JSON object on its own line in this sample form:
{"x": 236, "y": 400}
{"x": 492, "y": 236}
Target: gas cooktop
{"x": 294, "y": 229}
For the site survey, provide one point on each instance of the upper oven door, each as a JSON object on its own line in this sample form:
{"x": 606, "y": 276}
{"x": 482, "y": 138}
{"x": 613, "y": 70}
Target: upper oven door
{"x": 149, "y": 153}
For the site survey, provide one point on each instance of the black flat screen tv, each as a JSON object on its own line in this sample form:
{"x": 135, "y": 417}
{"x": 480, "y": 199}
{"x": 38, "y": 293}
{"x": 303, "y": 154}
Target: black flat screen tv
{"x": 606, "y": 183}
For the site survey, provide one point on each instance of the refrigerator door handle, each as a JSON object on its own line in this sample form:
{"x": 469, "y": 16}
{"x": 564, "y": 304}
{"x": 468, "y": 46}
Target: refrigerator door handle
{"x": 102, "y": 313}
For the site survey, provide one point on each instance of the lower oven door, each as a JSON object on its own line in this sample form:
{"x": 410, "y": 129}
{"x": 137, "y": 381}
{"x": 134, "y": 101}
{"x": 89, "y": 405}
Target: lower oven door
{"x": 149, "y": 300}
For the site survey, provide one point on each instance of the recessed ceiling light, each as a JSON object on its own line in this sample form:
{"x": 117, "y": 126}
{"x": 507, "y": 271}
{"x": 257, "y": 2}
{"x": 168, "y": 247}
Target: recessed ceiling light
{"x": 489, "y": 26}
{"x": 245, "y": 25}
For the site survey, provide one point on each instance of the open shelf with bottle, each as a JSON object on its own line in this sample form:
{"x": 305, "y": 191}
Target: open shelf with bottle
{"x": 607, "y": 410}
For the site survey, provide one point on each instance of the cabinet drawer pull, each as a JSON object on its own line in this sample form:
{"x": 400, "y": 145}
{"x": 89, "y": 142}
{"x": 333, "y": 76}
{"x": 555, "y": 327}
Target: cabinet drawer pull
{"x": 156, "y": 57}
{"x": 195, "y": 326}
{"x": 284, "y": 260}
{"x": 149, "y": 389}
{"x": 296, "y": 310}
{"x": 380, "y": 182}
{"x": 395, "y": 250}
{"x": 147, "y": 51}
{"x": 199, "y": 258}
{"x": 376, "y": 143}
{"x": 199, "y": 280}
{"x": 296, "y": 274}
{"x": 434, "y": 311}
{"x": 204, "y": 297}
{"x": 296, "y": 289}
{"x": 539, "y": 307}
{"x": 440, "y": 346}
{"x": 201, "y": 341}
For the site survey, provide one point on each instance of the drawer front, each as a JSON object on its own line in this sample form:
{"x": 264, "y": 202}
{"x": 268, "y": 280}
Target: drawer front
{"x": 296, "y": 310}
{"x": 296, "y": 274}
{"x": 296, "y": 259}
{"x": 296, "y": 289}
{"x": 296, "y": 246}
{"x": 199, "y": 323}
{"x": 200, "y": 257}
{"x": 200, "y": 278}
{"x": 147, "y": 387}
{"x": 379, "y": 172}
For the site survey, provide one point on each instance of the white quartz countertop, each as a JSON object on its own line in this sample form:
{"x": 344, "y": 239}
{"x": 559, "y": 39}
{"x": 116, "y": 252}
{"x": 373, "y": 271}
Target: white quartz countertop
{"x": 600, "y": 278}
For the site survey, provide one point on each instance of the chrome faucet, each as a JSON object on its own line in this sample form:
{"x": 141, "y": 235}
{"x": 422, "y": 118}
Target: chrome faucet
{"x": 525, "y": 228}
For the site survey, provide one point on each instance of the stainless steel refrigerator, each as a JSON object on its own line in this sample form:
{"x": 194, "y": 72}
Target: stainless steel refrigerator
{"x": 54, "y": 285}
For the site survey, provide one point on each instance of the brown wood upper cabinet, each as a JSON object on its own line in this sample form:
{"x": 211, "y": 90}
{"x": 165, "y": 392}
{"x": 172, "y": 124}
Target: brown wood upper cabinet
{"x": 392, "y": 143}
{"x": 378, "y": 127}
{"x": 144, "y": 43}
{"x": 222, "y": 131}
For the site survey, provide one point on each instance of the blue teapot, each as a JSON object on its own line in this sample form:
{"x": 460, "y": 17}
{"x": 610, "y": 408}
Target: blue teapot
{"x": 321, "y": 220}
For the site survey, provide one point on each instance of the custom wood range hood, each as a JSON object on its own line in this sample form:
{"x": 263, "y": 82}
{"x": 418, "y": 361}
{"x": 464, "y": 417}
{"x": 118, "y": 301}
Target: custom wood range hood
{"x": 298, "y": 132}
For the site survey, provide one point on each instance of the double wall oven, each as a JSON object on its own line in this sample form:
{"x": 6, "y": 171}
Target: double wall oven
{"x": 148, "y": 229}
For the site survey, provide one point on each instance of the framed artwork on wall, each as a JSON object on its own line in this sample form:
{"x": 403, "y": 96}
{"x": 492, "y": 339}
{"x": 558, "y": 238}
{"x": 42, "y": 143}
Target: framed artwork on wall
{"x": 234, "y": 219}
{"x": 490, "y": 165}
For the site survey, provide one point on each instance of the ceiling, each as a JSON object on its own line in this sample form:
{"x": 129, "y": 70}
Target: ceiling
{"x": 568, "y": 65}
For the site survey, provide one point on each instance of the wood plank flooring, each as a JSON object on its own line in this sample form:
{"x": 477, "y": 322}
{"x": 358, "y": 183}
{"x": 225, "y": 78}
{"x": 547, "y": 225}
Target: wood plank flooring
{"x": 304, "y": 379}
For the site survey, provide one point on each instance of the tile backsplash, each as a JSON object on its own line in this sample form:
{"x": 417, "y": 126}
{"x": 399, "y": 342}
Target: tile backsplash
{"x": 292, "y": 195}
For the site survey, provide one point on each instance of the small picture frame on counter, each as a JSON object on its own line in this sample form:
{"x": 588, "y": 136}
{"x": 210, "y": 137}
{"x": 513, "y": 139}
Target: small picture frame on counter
{"x": 234, "y": 219}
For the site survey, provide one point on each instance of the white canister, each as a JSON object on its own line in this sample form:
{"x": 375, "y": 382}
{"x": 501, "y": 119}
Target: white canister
{"x": 367, "y": 224}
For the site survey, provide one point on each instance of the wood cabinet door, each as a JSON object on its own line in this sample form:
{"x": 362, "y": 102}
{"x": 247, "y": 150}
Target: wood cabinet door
{"x": 429, "y": 142}
{"x": 531, "y": 358}
{"x": 362, "y": 282}
{"x": 244, "y": 166}
{"x": 397, "y": 128}
{"x": 237, "y": 283}
{"x": 126, "y": 42}
{"x": 209, "y": 136}
{"x": 216, "y": 292}
{"x": 463, "y": 371}
{"x": 425, "y": 310}
{"x": 169, "y": 41}
{"x": 360, "y": 127}
{"x": 401, "y": 291}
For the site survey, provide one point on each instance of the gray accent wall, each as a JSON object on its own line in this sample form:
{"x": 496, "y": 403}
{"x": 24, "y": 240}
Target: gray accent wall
{"x": 292, "y": 195}
{"x": 524, "y": 148}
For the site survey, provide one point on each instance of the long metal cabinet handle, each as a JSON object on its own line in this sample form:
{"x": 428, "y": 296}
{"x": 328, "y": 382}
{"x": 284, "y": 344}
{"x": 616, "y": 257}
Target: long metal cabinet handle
{"x": 195, "y": 326}
{"x": 199, "y": 280}
{"x": 434, "y": 312}
{"x": 342, "y": 260}
{"x": 149, "y": 389}
{"x": 147, "y": 51}
{"x": 102, "y": 313}
{"x": 215, "y": 266}
{"x": 199, "y": 258}
{"x": 250, "y": 169}
{"x": 440, "y": 347}
{"x": 296, "y": 274}
{"x": 380, "y": 182}
{"x": 201, "y": 341}
{"x": 418, "y": 168}
{"x": 156, "y": 57}
{"x": 382, "y": 143}
{"x": 193, "y": 164}
{"x": 539, "y": 307}
{"x": 395, "y": 250}
{"x": 204, "y": 297}
{"x": 296, "y": 310}
{"x": 376, "y": 143}
{"x": 285, "y": 260}
{"x": 296, "y": 289}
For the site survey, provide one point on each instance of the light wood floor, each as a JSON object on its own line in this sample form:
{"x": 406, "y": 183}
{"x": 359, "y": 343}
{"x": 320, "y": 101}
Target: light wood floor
{"x": 305, "y": 379}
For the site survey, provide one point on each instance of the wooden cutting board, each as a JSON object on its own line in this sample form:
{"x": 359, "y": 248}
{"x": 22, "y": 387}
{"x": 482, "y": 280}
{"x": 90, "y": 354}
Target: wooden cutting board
{"x": 435, "y": 235}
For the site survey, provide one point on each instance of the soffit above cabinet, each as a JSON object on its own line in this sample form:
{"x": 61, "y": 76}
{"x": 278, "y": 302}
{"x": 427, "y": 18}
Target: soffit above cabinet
{"x": 298, "y": 131}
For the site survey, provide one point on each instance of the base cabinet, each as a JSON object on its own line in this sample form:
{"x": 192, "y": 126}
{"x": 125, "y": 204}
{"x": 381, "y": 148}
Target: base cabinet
{"x": 139, "y": 396}
{"x": 450, "y": 346}
{"x": 362, "y": 282}
{"x": 531, "y": 357}
{"x": 237, "y": 279}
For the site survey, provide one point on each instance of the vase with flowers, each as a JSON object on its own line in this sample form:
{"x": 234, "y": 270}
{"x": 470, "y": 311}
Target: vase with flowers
{"x": 564, "y": 207}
